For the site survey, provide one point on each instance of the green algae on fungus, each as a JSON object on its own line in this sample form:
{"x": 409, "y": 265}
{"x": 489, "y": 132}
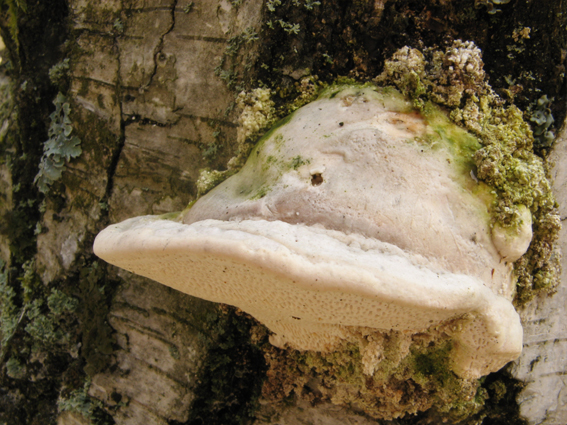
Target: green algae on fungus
{"x": 259, "y": 118}
{"x": 505, "y": 160}
{"x": 257, "y": 114}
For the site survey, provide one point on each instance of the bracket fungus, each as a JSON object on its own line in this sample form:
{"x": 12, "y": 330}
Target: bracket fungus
{"x": 355, "y": 214}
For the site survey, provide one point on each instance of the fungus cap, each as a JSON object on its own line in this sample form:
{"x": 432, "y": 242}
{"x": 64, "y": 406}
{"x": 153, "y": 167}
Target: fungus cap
{"x": 353, "y": 215}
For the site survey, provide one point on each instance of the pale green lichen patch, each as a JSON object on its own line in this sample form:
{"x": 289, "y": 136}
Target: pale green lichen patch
{"x": 504, "y": 160}
{"x": 60, "y": 147}
{"x": 209, "y": 179}
{"x": 79, "y": 401}
{"x": 257, "y": 115}
{"x": 543, "y": 121}
{"x": 507, "y": 163}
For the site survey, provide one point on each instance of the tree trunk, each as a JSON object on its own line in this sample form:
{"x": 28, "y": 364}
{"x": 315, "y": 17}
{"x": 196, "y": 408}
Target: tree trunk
{"x": 150, "y": 88}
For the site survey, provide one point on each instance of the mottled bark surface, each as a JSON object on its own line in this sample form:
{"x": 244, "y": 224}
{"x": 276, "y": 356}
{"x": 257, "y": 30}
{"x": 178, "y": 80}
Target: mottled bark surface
{"x": 542, "y": 366}
{"x": 151, "y": 86}
{"x": 147, "y": 74}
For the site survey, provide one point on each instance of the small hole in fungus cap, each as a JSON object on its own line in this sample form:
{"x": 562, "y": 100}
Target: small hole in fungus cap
{"x": 316, "y": 179}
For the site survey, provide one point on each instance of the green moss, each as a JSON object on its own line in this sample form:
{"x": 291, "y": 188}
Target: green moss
{"x": 42, "y": 313}
{"x": 434, "y": 363}
{"x": 506, "y": 162}
{"x": 40, "y": 322}
{"x": 283, "y": 121}
{"x": 403, "y": 382}
{"x": 503, "y": 157}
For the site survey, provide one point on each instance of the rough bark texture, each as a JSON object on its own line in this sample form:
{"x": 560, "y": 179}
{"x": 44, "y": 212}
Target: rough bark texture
{"x": 151, "y": 86}
{"x": 543, "y": 363}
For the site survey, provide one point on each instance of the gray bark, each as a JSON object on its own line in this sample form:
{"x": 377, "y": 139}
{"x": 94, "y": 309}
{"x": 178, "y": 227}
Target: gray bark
{"x": 161, "y": 97}
{"x": 543, "y": 363}
{"x": 147, "y": 105}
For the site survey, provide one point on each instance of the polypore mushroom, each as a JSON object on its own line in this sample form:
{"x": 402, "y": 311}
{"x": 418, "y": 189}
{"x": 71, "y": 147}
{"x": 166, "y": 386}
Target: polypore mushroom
{"x": 355, "y": 214}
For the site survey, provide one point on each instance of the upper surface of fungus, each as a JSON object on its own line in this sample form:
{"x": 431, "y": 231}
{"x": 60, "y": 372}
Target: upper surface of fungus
{"x": 506, "y": 160}
{"x": 353, "y": 215}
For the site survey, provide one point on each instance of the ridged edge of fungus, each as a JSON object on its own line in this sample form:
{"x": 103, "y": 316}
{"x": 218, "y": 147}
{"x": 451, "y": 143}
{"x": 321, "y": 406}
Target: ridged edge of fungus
{"x": 312, "y": 287}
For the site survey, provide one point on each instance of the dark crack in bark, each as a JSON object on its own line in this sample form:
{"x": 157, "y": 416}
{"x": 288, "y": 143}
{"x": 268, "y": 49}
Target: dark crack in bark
{"x": 121, "y": 139}
{"x": 159, "y": 47}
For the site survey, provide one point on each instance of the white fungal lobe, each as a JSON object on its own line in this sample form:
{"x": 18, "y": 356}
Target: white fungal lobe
{"x": 357, "y": 214}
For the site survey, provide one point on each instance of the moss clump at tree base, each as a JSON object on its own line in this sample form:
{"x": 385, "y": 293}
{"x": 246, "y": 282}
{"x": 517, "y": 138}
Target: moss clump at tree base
{"x": 411, "y": 385}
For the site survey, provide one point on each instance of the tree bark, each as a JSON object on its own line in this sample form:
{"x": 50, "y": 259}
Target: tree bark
{"x": 151, "y": 87}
